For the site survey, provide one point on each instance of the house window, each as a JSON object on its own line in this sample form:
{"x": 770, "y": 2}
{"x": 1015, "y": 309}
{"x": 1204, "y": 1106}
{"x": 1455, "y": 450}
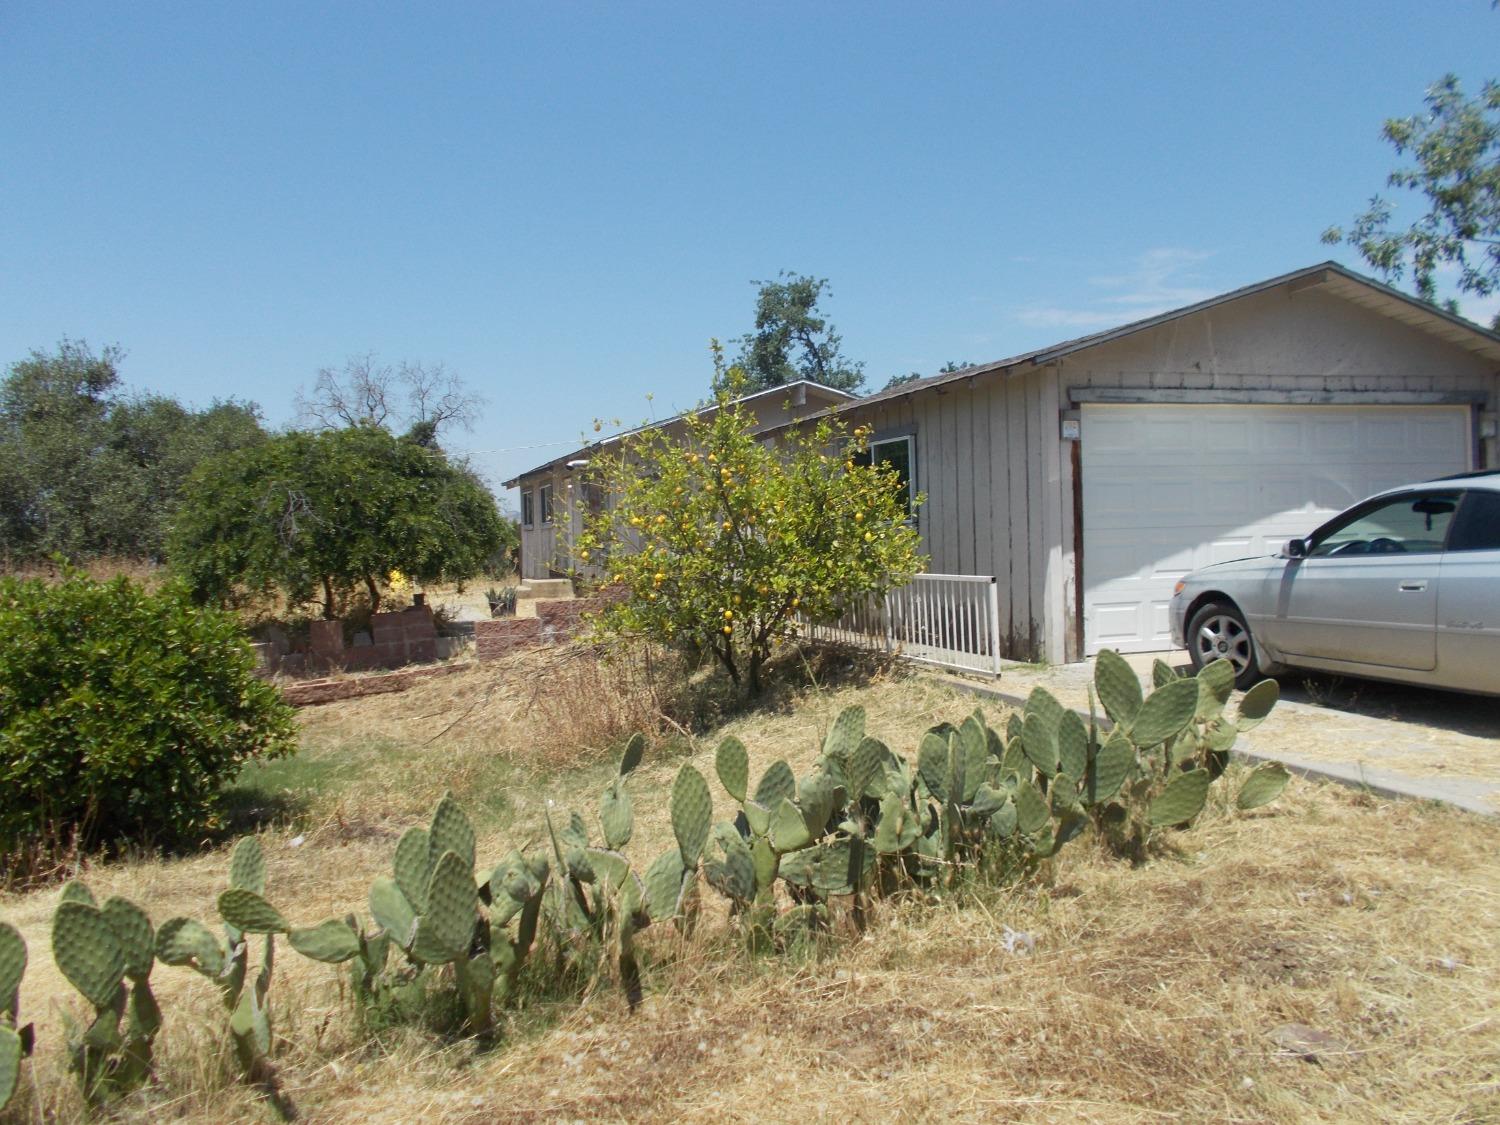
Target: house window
{"x": 900, "y": 454}
{"x": 544, "y": 501}
{"x": 528, "y": 509}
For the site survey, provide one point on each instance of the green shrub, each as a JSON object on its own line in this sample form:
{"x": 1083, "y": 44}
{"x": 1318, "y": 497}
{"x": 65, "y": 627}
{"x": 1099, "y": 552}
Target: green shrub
{"x": 122, "y": 714}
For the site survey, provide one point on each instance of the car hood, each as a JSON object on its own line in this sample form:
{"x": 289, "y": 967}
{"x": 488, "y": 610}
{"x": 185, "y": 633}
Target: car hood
{"x": 1258, "y": 563}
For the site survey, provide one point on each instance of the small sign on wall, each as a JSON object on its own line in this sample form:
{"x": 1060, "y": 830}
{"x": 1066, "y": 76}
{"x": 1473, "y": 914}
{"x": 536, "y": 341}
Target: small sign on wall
{"x": 1072, "y": 428}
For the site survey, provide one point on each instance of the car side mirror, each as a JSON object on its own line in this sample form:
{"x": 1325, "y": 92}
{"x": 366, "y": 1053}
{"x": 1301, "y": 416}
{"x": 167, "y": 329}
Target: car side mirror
{"x": 1295, "y": 549}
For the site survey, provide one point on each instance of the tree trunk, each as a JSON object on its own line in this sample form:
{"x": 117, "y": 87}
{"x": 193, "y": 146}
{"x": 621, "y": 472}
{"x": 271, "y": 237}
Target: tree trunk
{"x": 328, "y": 613}
{"x": 374, "y": 594}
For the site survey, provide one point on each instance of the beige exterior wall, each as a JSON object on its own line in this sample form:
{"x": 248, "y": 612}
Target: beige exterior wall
{"x": 999, "y": 477}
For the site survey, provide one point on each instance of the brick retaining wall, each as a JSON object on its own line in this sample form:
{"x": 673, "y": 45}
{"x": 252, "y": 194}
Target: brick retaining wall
{"x": 556, "y": 621}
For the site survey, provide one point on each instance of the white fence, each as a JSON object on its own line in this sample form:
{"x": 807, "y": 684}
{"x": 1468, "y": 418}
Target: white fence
{"x": 951, "y": 620}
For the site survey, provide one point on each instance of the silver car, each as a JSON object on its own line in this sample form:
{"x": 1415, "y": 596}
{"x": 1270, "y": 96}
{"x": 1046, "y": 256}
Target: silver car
{"x": 1402, "y": 586}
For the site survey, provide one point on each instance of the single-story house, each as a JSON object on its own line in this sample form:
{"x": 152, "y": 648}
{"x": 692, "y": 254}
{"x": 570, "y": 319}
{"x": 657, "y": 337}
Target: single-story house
{"x": 1087, "y": 477}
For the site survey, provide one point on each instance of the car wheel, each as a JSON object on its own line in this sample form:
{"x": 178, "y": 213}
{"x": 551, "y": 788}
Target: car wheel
{"x": 1218, "y": 630}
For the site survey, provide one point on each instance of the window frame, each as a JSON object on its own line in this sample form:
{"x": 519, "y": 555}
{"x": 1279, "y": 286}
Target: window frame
{"x": 1348, "y": 518}
{"x": 545, "y": 507}
{"x": 909, "y": 438}
{"x": 528, "y": 508}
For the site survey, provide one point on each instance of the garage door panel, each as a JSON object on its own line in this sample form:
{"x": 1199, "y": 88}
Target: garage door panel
{"x": 1169, "y": 489}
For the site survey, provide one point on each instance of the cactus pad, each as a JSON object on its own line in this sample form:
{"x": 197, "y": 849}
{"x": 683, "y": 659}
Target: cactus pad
{"x": 1039, "y": 739}
{"x": 1003, "y": 820}
{"x": 1031, "y": 810}
{"x": 10, "y": 1063}
{"x": 777, "y": 782}
{"x": 616, "y": 815}
{"x": 1111, "y": 766}
{"x": 816, "y": 796}
{"x": 692, "y": 814}
{"x": 412, "y": 866}
{"x": 1162, "y": 673}
{"x": 331, "y": 942}
{"x": 932, "y": 764}
{"x": 1263, "y": 786}
{"x": 12, "y": 967}
{"x": 664, "y": 885}
{"x": 1257, "y": 704}
{"x": 1182, "y": 799}
{"x": 864, "y": 766}
{"x": 1165, "y": 713}
{"x": 1215, "y": 683}
{"x": 974, "y": 746}
{"x": 789, "y": 831}
{"x": 1118, "y": 687}
{"x": 735, "y": 877}
{"x": 845, "y": 735}
{"x": 87, "y": 952}
{"x": 247, "y": 911}
{"x": 132, "y": 929}
{"x": 75, "y": 891}
{"x": 635, "y": 750}
{"x": 184, "y": 941}
{"x": 1072, "y": 745}
{"x": 247, "y": 866}
{"x": 732, "y": 764}
{"x": 452, "y": 902}
{"x": 450, "y": 832}
{"x": 392, "y": 910}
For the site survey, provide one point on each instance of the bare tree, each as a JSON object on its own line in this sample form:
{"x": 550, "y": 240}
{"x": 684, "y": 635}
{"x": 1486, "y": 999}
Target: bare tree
{"x": 415, "y": 398}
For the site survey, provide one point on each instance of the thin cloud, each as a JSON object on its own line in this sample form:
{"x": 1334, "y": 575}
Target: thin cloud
{"x": 1161, "y": 280}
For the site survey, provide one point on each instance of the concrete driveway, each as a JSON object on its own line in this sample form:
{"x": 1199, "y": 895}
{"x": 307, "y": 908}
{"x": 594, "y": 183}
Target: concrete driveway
{"x": 1392, "y": 739}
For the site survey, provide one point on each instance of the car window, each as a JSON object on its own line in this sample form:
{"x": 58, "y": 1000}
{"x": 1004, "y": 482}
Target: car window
{"x": 1477, "y": 527}
{"x": 1406, "y": 524}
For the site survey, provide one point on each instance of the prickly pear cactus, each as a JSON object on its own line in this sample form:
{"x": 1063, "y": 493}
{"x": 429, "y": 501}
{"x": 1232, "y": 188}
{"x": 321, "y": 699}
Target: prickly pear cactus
{"x": 692, "y": 811}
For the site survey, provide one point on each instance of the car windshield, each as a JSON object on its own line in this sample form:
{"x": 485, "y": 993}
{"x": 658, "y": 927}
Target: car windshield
{"x": 1414, "y": 522}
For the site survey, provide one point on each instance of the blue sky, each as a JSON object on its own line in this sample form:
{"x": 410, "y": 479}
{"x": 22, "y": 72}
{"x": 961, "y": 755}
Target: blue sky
{"x": 563, "y": 202}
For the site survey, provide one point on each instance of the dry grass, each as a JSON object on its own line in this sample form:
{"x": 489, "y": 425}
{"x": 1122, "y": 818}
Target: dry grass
{"x": 1152, "y": 994}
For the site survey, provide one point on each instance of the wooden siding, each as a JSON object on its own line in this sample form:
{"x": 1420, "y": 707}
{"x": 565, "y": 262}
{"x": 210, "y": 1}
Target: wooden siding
{"x": 999, "y": 478}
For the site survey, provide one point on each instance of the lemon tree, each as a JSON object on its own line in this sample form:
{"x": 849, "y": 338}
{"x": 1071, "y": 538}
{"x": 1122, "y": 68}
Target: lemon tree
{"x": 725, "y": 542}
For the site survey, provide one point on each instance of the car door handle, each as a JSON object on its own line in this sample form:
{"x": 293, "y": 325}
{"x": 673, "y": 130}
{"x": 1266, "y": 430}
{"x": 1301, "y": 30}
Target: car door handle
{"x": 1413, "y": 587}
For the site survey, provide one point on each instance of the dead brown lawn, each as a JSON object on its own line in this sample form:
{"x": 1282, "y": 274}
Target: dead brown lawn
{"x": 1151, "y": 994}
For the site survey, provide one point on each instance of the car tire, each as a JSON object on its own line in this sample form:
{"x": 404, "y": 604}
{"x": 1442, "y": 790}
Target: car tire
{"x": 1219, "y": 629}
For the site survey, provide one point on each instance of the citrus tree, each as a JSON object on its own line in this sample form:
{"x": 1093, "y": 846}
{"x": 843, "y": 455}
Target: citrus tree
{"x": 724, "y": 541}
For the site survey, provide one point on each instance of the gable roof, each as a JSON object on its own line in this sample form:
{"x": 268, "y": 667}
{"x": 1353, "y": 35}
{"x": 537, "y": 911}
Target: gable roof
{"x": 802, "y": 388}
{"x": 1339, "y": 280}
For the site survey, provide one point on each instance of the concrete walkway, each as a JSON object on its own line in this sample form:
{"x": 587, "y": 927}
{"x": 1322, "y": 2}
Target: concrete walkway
{"x": 1390, "y": 739}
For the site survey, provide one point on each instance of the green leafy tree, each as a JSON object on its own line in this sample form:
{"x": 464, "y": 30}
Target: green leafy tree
{"x": 314, "y": 514}
{"x": 85, "y": 471}
{"x": 1456, "y": 149}
{"x": 723, "y": 541}
{"x": 791, "y": 341}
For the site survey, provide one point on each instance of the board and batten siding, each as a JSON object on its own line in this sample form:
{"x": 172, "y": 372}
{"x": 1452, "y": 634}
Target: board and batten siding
{"x": 999, "y": 477}
{"x": 993, "y": 491}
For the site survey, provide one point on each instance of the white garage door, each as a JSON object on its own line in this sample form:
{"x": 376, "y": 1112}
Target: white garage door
{"x": 1168, "y": 489}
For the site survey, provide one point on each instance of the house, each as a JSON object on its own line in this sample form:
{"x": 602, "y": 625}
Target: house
{"x": 555, "y": 498}
{"x": 1088, "y": 476}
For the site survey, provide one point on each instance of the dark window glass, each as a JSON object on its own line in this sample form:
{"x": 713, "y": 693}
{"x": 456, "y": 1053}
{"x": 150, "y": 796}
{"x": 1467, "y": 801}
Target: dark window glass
{"x": 1478, "y": 525}
{"x": 545, "y": 494}
{"x": 528, "y": 510}
{"x": 897, "y": 453}
{"x": 1413, "y": 523}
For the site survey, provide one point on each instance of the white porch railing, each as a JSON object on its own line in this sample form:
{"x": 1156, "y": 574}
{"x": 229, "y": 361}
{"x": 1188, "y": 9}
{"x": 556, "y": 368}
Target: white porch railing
{"x": 952, "y": 620}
